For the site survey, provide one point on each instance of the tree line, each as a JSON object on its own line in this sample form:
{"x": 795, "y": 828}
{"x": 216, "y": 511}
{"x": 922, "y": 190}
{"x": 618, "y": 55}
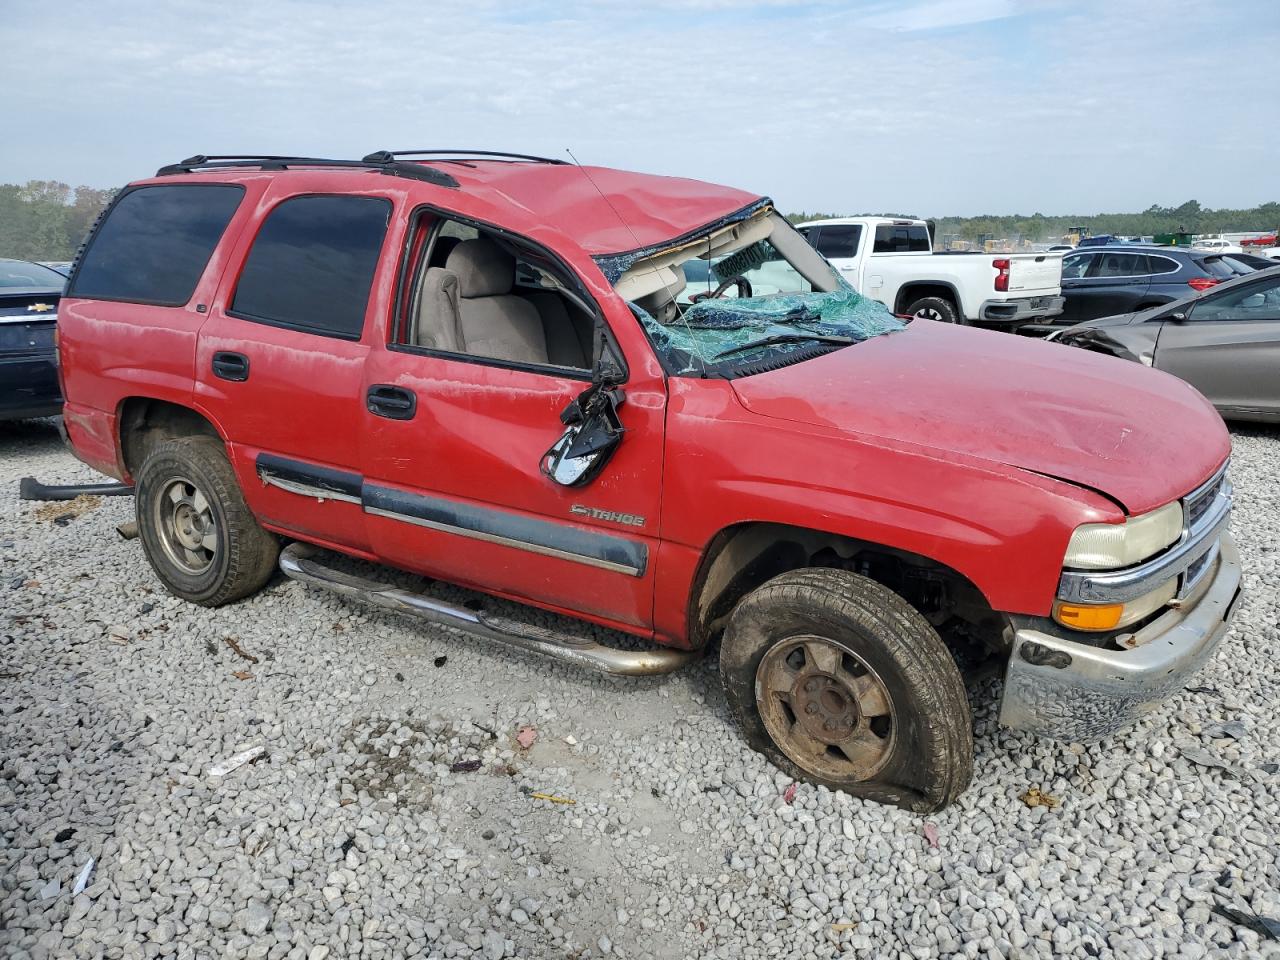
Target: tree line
{"x": 1190, "y": 217}
{"x": 47, "y": 220}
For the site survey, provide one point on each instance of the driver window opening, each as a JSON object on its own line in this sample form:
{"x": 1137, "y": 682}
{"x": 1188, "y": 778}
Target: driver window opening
{"x": 485, "y": 295}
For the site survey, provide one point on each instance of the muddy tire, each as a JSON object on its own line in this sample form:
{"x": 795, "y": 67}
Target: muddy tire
{"x": 935, "y": 308}
{"x": 198, "y": 534}
{"x": 839, "y": 681}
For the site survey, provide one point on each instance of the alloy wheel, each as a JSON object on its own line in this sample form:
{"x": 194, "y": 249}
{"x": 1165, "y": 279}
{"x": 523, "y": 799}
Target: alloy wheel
{"x": 187, "y": 528}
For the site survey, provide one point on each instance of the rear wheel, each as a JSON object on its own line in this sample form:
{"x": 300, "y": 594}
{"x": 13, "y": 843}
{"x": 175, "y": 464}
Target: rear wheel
{"x": 198, "y": 534}
{"x": 935, "y": 308}
{"x": 839, "y": 681}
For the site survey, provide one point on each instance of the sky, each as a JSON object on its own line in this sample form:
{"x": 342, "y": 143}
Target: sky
{"x": 931, "y": 107}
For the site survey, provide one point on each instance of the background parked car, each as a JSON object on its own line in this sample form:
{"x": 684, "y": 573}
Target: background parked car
{"x": 58, "y": 266}
{"x": 29, "y": 296}
{"x": 1104, "y": 281}
{"x": 1224, "y": 341}
{"x": 1216, "y": 245}
{"x": 892, "y": 260}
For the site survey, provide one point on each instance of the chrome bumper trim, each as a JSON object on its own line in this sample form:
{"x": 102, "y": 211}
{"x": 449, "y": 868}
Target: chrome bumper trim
{"x": 1070, "y": 691}
{"x": 1121, "y": 586}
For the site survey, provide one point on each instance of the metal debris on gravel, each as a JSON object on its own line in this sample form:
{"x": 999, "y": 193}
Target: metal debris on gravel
{"x": 353, "y": 836}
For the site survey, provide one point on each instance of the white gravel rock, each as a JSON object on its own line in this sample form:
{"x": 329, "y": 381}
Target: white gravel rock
{"x": 350, "y": 835}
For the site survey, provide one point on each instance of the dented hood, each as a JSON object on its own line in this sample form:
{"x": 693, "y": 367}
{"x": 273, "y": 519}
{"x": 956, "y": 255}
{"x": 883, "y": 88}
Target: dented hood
{"x": 1142, "y": 437}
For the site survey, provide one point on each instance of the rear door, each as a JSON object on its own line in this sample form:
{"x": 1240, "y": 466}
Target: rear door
{"x": 1228, "y": 348}
{"x": 280, "y": 360}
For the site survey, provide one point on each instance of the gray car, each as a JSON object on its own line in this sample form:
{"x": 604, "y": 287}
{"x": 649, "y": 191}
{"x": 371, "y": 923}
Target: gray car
{"x": 1224, "y": 341}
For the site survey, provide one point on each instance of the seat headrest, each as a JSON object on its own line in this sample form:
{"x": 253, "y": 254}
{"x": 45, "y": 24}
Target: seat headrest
{"x": 483, "y": 268}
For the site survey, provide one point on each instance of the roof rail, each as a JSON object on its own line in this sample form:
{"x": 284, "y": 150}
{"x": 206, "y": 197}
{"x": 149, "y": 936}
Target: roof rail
{"x": 493, "y": 154}
{"x": 382, "y": 162}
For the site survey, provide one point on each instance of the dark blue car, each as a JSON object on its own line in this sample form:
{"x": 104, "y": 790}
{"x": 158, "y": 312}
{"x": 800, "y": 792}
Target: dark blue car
{"x": 1104, "y": 281}
{"x": 29, "y": 295}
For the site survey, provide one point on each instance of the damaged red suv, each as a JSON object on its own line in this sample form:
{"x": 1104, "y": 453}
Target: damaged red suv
{"x": 646, "y": 403}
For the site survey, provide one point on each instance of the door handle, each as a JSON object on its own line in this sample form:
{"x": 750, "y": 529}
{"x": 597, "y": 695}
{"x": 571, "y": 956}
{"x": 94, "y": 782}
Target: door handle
{"x": 394, "y": 403}
{"x": 230, "y": 366}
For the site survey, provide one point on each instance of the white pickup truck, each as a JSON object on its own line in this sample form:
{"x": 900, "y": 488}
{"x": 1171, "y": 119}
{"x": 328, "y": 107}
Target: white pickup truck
{"x": 893, "y": 261}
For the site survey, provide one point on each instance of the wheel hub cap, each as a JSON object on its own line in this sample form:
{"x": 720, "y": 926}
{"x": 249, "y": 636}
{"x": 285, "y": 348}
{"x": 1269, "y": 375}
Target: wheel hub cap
{"x": 826, "y": 707}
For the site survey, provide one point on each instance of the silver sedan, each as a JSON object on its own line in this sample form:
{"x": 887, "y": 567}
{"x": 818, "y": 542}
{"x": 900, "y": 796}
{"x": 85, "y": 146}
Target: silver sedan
{"x": 1224, "y": 341}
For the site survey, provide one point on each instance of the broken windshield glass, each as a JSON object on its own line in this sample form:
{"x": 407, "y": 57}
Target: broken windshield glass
{"x": 690, "y": 342}
{"x": 744, "y": 290}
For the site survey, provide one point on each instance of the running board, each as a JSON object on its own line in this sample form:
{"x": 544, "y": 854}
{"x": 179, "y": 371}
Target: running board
{"x": 300, "y": 561}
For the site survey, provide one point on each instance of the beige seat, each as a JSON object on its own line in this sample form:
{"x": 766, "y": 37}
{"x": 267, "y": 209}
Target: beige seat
{"x": 488, "y": 320}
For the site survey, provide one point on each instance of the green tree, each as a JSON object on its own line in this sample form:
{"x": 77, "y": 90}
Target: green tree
{"x": 47, "y": 219}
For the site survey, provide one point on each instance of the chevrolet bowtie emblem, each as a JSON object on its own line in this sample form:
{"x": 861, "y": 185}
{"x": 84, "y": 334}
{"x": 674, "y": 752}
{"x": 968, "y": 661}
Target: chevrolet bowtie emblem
{"x": 40, "y": 307}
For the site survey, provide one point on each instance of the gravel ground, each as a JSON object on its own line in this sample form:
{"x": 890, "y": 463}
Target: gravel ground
{"x": 350, "y": 836}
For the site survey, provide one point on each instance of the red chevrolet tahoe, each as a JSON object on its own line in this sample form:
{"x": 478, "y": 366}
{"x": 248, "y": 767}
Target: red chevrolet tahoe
{"x": 646, "y": 403}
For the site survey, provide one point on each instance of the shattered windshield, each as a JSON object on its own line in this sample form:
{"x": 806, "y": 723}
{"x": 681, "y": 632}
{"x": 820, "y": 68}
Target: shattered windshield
{"x": 748, "y": 295}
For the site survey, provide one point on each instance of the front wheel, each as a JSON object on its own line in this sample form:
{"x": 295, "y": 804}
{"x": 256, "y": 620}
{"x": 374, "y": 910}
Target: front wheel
{"x": 935, "y": 308}
{"x": 839, "y": 681}
{"x": 195, "y": 527}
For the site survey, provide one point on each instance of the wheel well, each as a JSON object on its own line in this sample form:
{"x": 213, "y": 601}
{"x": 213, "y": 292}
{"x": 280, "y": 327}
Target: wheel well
{"x": 916, "y": 291}
{"x": 145, "y": 423}
{"x": 744, "y": 557}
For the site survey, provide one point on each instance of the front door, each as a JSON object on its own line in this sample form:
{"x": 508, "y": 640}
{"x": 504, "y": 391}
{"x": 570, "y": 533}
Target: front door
{"x": 1228, "y": 348}
{"x": 462, "y": 407}
{"x": 1115, "y": 284}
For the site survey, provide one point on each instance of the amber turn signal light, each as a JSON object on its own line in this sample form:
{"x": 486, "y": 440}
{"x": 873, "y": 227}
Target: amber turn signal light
{"x": 1086, "y": 616}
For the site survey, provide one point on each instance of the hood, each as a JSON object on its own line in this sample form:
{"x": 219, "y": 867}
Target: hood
{"x": 1141, "y": 436}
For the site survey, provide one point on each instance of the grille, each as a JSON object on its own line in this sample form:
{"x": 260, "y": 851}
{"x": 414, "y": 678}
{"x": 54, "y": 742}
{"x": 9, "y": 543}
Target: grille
{"x": 1198, "y": 504}
{"x": 1197, "y": 570}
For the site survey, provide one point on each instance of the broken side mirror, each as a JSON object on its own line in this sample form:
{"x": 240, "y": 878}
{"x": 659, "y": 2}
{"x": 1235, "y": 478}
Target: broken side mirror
{"x": 1178, "y": 317}
{"x": 606, "y": 367}
{"x": 591, "y": 435}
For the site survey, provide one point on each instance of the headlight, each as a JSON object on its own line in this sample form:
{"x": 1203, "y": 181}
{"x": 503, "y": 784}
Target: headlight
{"x": 1111, "y": 546}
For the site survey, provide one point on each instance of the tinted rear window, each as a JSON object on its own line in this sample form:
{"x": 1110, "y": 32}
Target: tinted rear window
{"x": 902, "y": 238}
{"x": 155, "y": 243}
{"x": 839, "y": 241}
{"x": 312, "y": 264}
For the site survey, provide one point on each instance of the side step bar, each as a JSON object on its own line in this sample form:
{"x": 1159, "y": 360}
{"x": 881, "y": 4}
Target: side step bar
{"x": 299, "y": 561}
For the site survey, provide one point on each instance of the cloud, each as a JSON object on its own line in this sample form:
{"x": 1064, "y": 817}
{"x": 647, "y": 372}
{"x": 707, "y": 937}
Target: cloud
{"x": 962, "y": 107}
{"x": 937, "y": 14}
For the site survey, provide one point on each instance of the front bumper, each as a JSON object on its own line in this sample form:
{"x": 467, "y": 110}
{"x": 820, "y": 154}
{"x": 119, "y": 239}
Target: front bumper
{"x": 1070, "y": 691}
{"x": 1029, "y": 308}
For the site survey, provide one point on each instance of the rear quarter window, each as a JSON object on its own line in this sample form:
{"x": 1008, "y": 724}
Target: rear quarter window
{"x": 1218, "y": 267}
{"x": 154, "y": 243}
{"x": 312, "y": 263}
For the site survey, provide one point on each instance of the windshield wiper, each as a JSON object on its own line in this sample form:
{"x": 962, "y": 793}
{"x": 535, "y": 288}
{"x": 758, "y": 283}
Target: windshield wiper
{"x": 786, "y": 338}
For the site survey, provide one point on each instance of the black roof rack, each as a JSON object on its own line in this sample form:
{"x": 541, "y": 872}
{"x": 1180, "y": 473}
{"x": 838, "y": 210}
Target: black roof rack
{"x": 491, "y": 154}
{"x": 382, "y": 162}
